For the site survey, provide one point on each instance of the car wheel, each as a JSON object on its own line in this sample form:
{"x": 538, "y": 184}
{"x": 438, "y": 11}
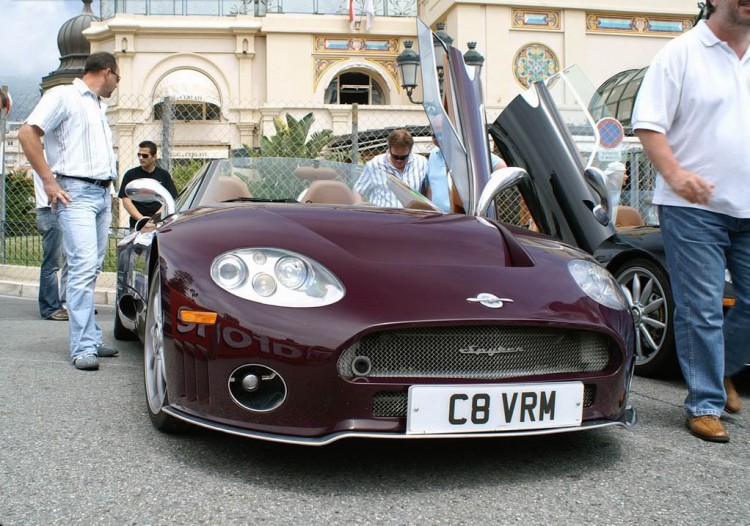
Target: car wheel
{"x": 649, "y": 295}
{"x": 154, "y": 369}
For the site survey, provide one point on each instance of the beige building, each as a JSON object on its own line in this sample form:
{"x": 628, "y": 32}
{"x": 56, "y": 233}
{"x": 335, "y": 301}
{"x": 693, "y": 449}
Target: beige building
{"x": 230, "y": 67}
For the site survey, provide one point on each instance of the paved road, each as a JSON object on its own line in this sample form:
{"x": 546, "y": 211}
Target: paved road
{"x": 78, "y": 448}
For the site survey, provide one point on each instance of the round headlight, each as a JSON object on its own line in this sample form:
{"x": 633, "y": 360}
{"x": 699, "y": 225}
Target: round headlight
{"x": 259, "y": 258}
{"x": 291, "y": 272}
{"x": 264, "y": 284}
{"x": 229, "y": 271}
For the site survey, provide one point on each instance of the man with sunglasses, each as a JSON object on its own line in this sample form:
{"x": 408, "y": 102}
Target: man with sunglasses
{"x": 146, "y": 170}
{"x": 398, "y": 161}
{"x": 77, "y": 175}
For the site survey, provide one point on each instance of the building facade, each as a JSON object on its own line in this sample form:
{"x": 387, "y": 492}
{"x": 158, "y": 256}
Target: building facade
{"x": 230, "y": 71}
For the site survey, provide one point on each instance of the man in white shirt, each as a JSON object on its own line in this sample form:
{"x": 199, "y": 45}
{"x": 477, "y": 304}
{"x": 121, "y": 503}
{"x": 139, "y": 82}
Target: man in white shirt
{"x": 77, "y": 175}
{"x": 51, "y": 294}
{"x": 398, "y": 161}
{"x": 693, "y": 119}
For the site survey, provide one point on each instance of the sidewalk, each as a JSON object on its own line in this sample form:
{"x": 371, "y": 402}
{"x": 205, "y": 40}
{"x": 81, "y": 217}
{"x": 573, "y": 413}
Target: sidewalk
{"x": 24, "y": 282}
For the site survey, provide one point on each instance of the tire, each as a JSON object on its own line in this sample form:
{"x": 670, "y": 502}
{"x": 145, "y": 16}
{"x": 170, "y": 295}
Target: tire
{"x": 649, "y": 295}
{"x": 121, "y": 332}
{"x": 154, "y": 371}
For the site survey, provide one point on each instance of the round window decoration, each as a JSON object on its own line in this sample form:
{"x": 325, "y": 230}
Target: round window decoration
{"x": 534, "y": 62}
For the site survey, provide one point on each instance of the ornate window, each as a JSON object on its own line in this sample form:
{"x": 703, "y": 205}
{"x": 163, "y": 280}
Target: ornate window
{"x": 351, "y": 87}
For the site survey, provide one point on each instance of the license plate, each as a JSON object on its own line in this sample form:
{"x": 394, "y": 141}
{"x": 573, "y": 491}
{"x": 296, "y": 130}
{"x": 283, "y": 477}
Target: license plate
{"x": 486, "y": 408}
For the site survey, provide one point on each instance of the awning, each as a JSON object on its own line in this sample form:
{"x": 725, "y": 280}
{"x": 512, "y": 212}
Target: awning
{"x": 187, "y": 85}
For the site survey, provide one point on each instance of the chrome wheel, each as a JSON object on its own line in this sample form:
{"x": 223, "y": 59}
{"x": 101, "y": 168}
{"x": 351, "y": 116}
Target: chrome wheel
{"x": 153, "y": 350}
{"x": 648, "y": 305}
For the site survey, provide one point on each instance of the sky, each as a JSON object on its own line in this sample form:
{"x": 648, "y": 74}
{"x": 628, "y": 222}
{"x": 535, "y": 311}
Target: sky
{"x": 28, "y": 35}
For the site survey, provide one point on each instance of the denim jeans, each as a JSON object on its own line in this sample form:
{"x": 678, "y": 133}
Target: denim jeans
{"x": 699, "y": 245}
{"x": 51, "y": 295}
{"x": 85, "y": 224}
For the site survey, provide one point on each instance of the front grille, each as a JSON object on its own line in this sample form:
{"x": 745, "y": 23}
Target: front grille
{"x": 389, "y": 403}
{"x": 394, "y": 404}
{"x": 479, "y": 352}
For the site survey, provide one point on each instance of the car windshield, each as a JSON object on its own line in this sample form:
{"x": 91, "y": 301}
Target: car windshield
{"x": 600, "y": 143}
{"x": 309, "y": 181}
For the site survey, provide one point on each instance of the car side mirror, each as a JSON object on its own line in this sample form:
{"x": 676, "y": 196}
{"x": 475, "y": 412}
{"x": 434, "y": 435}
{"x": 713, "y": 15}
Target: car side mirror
{"x": 596, "y": 179}
{"x": 141, "y": 223}
{"x": 499, "y": 181}
{"x": 149, "y": 190}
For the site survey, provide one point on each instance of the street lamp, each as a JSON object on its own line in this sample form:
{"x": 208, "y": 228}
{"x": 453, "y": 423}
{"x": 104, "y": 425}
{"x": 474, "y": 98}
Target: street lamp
{"x": 408, "y": 65}
{"x": 474, "y": 59}
{"x": 437, "y": 43}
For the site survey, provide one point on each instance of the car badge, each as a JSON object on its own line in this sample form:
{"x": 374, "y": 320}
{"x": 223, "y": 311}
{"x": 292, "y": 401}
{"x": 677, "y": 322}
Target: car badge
{"x": 489, "y": 300}
{"x": 491, "y": 351}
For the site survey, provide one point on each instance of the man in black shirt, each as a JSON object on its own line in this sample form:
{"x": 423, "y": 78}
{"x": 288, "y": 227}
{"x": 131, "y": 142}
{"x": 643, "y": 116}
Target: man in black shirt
{"x": 148, "y": 168}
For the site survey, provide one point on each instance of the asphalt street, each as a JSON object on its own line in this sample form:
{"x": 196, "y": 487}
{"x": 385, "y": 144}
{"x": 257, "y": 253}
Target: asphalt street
{"x": 78, "y": 448}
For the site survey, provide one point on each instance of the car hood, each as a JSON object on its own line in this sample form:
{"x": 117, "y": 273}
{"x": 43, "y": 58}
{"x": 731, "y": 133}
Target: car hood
{"x": 398, "y": 266}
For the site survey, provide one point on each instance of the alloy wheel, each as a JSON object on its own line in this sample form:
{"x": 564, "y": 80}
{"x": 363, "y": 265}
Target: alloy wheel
{"x": 648, "y": 305}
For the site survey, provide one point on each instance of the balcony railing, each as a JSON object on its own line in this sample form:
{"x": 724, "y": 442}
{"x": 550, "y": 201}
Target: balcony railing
{"x": 110, "y": 8}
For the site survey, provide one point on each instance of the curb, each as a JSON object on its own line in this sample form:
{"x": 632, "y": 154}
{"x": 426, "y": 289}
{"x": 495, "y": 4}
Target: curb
{"x": 31, "y": 290}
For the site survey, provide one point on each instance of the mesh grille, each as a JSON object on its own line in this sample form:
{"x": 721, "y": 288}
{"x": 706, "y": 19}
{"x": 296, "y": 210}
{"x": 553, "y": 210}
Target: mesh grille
{"x": 389, "y": 403}
{"x": 589, "y": 395}
{"x": 395, "y": 404}
{"x": 483, "y": 353}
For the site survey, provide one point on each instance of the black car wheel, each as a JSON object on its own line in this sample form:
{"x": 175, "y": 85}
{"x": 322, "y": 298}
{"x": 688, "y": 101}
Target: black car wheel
{"x": 154, "y": 368}
{"x": 649, "y": 295}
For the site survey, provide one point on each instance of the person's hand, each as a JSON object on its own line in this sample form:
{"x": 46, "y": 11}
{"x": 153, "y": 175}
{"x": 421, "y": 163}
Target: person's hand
{"x": 55, "y": 194}
{"x": 690, "y": 186}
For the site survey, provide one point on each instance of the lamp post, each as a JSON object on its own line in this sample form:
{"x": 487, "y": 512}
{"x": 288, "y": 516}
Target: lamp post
{"x": 408, "y": 66}
{"x": 474, "y": 59}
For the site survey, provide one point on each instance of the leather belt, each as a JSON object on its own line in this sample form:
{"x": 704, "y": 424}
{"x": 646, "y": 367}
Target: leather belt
{"x": 104, "y": 183}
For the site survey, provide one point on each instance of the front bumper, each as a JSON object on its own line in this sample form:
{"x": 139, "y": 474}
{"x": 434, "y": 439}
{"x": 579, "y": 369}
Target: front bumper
{"x": 627, "y": 420}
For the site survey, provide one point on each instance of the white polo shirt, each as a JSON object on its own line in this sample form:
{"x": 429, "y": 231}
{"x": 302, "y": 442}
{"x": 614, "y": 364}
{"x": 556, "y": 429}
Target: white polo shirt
{"x": 697, "y": 92}
{"x": 77, "y": 137}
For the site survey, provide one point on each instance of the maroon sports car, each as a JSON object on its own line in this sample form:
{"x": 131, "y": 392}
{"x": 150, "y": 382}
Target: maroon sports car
{"x": 275, "y": 301}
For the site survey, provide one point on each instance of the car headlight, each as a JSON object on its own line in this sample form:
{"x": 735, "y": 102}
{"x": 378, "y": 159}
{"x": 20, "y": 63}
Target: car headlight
{"x": 278, "y": 277}
{"x": 598, "y": 284}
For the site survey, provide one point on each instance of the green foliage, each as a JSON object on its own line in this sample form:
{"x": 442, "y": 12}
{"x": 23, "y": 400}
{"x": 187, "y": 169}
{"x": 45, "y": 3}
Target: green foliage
{"x": 182, "y": 173}
{"x": 291, "y": 139}
{"x": 20, "y": 211}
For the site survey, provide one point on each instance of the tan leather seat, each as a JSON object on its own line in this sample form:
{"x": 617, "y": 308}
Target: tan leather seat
{"x": 223, "y": 188}
{"x": 628, "y": 217}
{"x": 329, "y": 192}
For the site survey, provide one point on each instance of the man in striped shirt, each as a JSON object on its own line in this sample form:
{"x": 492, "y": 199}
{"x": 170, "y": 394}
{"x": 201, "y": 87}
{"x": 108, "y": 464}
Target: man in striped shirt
{"x": 399, "y": 161}
{"x": 77, "y": 174}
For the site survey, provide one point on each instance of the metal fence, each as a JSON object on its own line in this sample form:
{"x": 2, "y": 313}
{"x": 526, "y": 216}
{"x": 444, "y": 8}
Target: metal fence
{"x": 191, "y": 132}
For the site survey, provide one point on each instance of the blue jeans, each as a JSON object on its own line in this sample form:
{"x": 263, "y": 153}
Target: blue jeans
{"x": 51, "y": 296}
{"x": 85, "y": 225}
{"x": 699, "y": 246}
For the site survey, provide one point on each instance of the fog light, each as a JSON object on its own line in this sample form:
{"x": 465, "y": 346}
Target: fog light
{"x": 257, "y": 388}
{"x": 250, "y": 383}
{"x": 361, "y": 366}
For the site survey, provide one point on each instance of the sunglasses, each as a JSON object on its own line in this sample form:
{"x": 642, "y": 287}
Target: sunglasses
{"x": 400, "y": 157}
{"x": 144, "y": 155}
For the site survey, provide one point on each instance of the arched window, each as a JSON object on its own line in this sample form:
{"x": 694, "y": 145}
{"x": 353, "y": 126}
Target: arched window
{"x": 194, "y": 95}
{"x": 349, "y": 87}
{"x": 617, "y": 95}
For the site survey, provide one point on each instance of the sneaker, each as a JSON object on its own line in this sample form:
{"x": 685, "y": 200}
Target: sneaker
{"x": 104, "y": 351}
{"x": 86, "y": 362}
{"x": 58, "y": 315}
